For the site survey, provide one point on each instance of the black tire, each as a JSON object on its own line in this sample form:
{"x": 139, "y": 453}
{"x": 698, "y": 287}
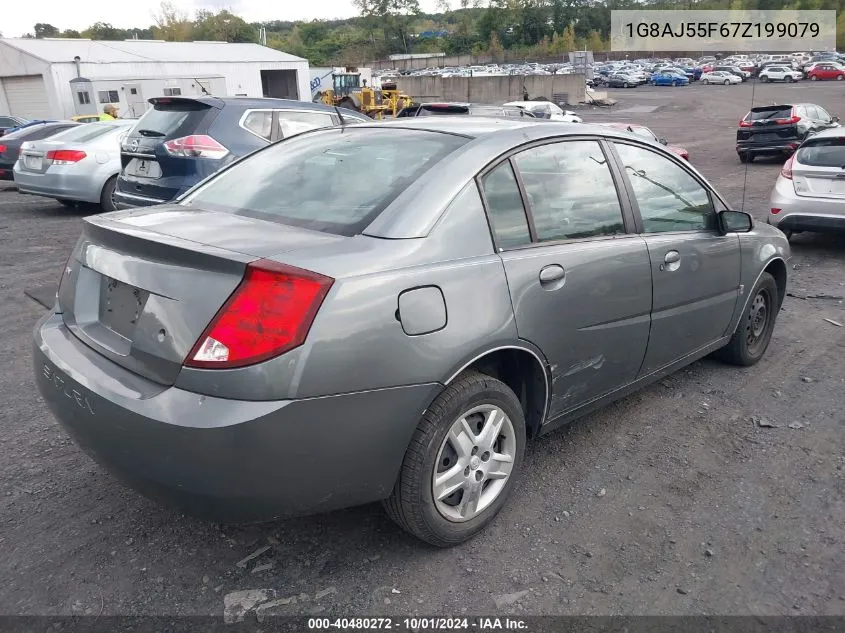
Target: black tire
{"x": 814, "y": 78}
{"x": 107, "y": 203}
{"x": 840, "y": 77}
{"x": 625, "y": 85}
{"x": 70, "y": 204}
{"x": 788, "y": 234}
{"x": 705, "y": 82}
{"x": 411, "y": 504}
{"x": 751, "y": 338}
{"x": 745, "y": 157}
{"x": 727, "y": 82}
{"x": 765, "y": 79}
{"x": 790, "y": 79}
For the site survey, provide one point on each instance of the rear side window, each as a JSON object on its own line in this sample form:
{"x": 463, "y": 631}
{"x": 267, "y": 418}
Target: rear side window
{"x": 505, "y": 208}
{"x": 171, "y": 119}
{"x": 333, "y": 182}
{"x": 292, "y": 122}
{"x": 259, "y": 122}
{"x": 823, "y": 152}
{"x": 570, "y": 191}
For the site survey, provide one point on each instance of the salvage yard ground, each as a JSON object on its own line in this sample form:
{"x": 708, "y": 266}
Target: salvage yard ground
{"x": 718, "y": 490}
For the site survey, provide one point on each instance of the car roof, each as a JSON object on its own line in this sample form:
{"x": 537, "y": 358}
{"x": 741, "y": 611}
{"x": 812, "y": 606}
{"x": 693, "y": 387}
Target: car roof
{"x": 247, "y": 102}
{"x": 472, "y": 127}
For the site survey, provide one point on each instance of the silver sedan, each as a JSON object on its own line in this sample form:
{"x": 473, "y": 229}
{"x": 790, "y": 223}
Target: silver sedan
{"x": 809, "y": 194}
{"x": 78, "y": 165}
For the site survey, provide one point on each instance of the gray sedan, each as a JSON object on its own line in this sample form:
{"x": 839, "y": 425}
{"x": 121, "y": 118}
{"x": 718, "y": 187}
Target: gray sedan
{"x": 78, "y": 165}
{"x": 388, "y": 311}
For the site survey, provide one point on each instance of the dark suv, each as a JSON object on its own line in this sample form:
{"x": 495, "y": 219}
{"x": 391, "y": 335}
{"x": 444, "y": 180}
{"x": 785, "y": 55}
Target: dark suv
{"x": 182, "y": 140}
{"x": 465, "y": 109}
{"x": 779, "y": 129}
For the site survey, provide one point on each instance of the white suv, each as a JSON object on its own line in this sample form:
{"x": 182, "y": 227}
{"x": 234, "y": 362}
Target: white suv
{"x": 780, "y": 73}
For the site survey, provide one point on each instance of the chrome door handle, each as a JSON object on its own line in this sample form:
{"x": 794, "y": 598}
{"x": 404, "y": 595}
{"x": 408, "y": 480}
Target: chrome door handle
{"x": 552, "y": 273}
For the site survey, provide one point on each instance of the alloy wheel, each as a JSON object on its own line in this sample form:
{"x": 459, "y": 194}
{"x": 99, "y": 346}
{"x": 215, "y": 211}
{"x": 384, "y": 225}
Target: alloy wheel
{"x": 474, "y": 463}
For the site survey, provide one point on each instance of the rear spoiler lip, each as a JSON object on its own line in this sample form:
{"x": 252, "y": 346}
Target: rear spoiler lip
{"x": 209, "y": 102}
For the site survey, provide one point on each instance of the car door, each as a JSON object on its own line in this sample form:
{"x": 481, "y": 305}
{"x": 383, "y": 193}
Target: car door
{"x": 580, "y": 284}
{"x": 695, "y": 269}
{"x": 812, "y": 113}
{"x": 824, "y": 119}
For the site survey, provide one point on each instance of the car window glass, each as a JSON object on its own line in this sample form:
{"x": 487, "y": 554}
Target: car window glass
{"x": 259, "y": 122}
{"x": 330, "y": 181}
{"x": 504, "y": 207}
{"x": 291, "y": 123}
{"x": 822, "y": 152}
{"x": 570, "y": 191}
{"x": 812, "y": 112}
{"x": 668, "y": 196}
{"x": 823, "y": 115}
{"x": 7, "y": 122}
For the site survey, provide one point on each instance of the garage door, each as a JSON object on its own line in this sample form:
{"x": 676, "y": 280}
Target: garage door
{"x": 27, "y": 97}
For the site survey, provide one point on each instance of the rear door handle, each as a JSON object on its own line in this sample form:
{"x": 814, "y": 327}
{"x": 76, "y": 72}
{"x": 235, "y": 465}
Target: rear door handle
{"x": 671, "y": 261}
{"x": 552, "y": 273}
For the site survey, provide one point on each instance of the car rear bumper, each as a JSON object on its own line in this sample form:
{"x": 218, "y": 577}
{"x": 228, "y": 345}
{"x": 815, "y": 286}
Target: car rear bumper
{"x": 786, "y": 146}
{"x": 227, "y": 460}
{"x": 123, "y": 200}
{"x": 55, "y": 184}
{"x": 804, "y": 213}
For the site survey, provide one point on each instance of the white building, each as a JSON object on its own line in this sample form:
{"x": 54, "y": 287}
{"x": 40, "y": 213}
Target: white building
{"x": 56, "y": 78}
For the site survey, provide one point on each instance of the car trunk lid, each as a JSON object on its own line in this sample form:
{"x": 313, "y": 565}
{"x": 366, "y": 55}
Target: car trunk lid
{"x": 141, "y": 287}
{"x": 818, "y": 170}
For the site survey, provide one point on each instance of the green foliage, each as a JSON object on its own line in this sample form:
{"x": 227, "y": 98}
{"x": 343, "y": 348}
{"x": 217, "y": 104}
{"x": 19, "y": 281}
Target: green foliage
{"x": 507, "y": 30}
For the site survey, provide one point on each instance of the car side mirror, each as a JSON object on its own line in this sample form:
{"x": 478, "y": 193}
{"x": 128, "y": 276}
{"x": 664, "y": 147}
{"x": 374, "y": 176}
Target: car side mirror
{"x": 835, "y": 119}
{"x": 735, "y": 222}
{"x": 663, "y": 141}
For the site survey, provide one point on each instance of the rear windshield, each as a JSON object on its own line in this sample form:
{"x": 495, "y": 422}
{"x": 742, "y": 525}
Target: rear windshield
{"x": 775, "y": 112}
{"x": 86, "y": 132}
{"x": 334, "y": 182}
{"x": 170, "y": 119}
{"x": 823, "y": 152}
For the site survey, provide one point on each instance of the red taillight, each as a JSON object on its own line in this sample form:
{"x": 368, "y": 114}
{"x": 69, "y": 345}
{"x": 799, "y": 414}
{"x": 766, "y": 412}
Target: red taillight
{"x": 775, "y": 211}
{"x": 786, "y": 172}
{"x": 2, "y": 149}
{"x": 268, "y": 314}
{"x": 745, "y": 123}
{"x": 65, "y": 156}
{"x": 195, "y": 146}
{"x": 792, "y": 119}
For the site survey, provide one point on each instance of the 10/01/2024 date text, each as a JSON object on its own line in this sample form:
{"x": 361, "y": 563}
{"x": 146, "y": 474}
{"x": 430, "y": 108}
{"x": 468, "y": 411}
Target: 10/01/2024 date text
{"x": 750, "y": 30}
{"x": 417, "y": 624}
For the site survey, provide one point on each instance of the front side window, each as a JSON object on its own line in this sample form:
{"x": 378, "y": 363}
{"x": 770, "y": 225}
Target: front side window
{"x": 669, "y": 197}
{"x": 570, "y": 191}
{"x": 505, "y": 208}
{"x": 337, "y": 181}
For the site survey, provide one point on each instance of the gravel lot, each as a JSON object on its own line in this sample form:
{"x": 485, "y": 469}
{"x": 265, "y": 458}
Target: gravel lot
{"x": 704, "y": 511}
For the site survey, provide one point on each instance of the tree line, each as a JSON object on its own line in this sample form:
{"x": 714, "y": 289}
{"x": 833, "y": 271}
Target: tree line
{"x": 529, "y": 28}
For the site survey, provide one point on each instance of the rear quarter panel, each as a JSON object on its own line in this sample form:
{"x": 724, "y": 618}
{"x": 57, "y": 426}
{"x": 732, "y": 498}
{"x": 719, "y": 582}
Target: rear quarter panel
{"x": 356, "y": 342}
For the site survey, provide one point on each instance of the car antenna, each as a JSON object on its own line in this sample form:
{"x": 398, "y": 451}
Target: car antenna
{"x": 204, "y": 91}
{"x": 745, "y": 176}
{"x": 340, "y": 116}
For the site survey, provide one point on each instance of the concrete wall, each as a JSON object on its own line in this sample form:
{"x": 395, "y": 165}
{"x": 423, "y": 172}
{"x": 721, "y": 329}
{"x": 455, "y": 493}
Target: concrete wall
{"x": 493, "y": 90}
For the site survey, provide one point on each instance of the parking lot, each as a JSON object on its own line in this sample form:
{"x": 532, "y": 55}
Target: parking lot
{"x": 717, "y": 490}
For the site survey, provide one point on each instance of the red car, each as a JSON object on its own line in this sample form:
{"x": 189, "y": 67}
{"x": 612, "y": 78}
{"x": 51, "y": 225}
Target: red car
{"x": 643, "y": 131}
{"x": 826, "y": 71}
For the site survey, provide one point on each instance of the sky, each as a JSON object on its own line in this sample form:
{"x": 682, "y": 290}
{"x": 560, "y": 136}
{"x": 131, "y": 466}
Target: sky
{"x": 79, "y": 14}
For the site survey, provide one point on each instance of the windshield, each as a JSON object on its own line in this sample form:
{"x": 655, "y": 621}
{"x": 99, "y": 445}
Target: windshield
{"x": 336, "y": 182}
{"x": 823, "y": 152}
